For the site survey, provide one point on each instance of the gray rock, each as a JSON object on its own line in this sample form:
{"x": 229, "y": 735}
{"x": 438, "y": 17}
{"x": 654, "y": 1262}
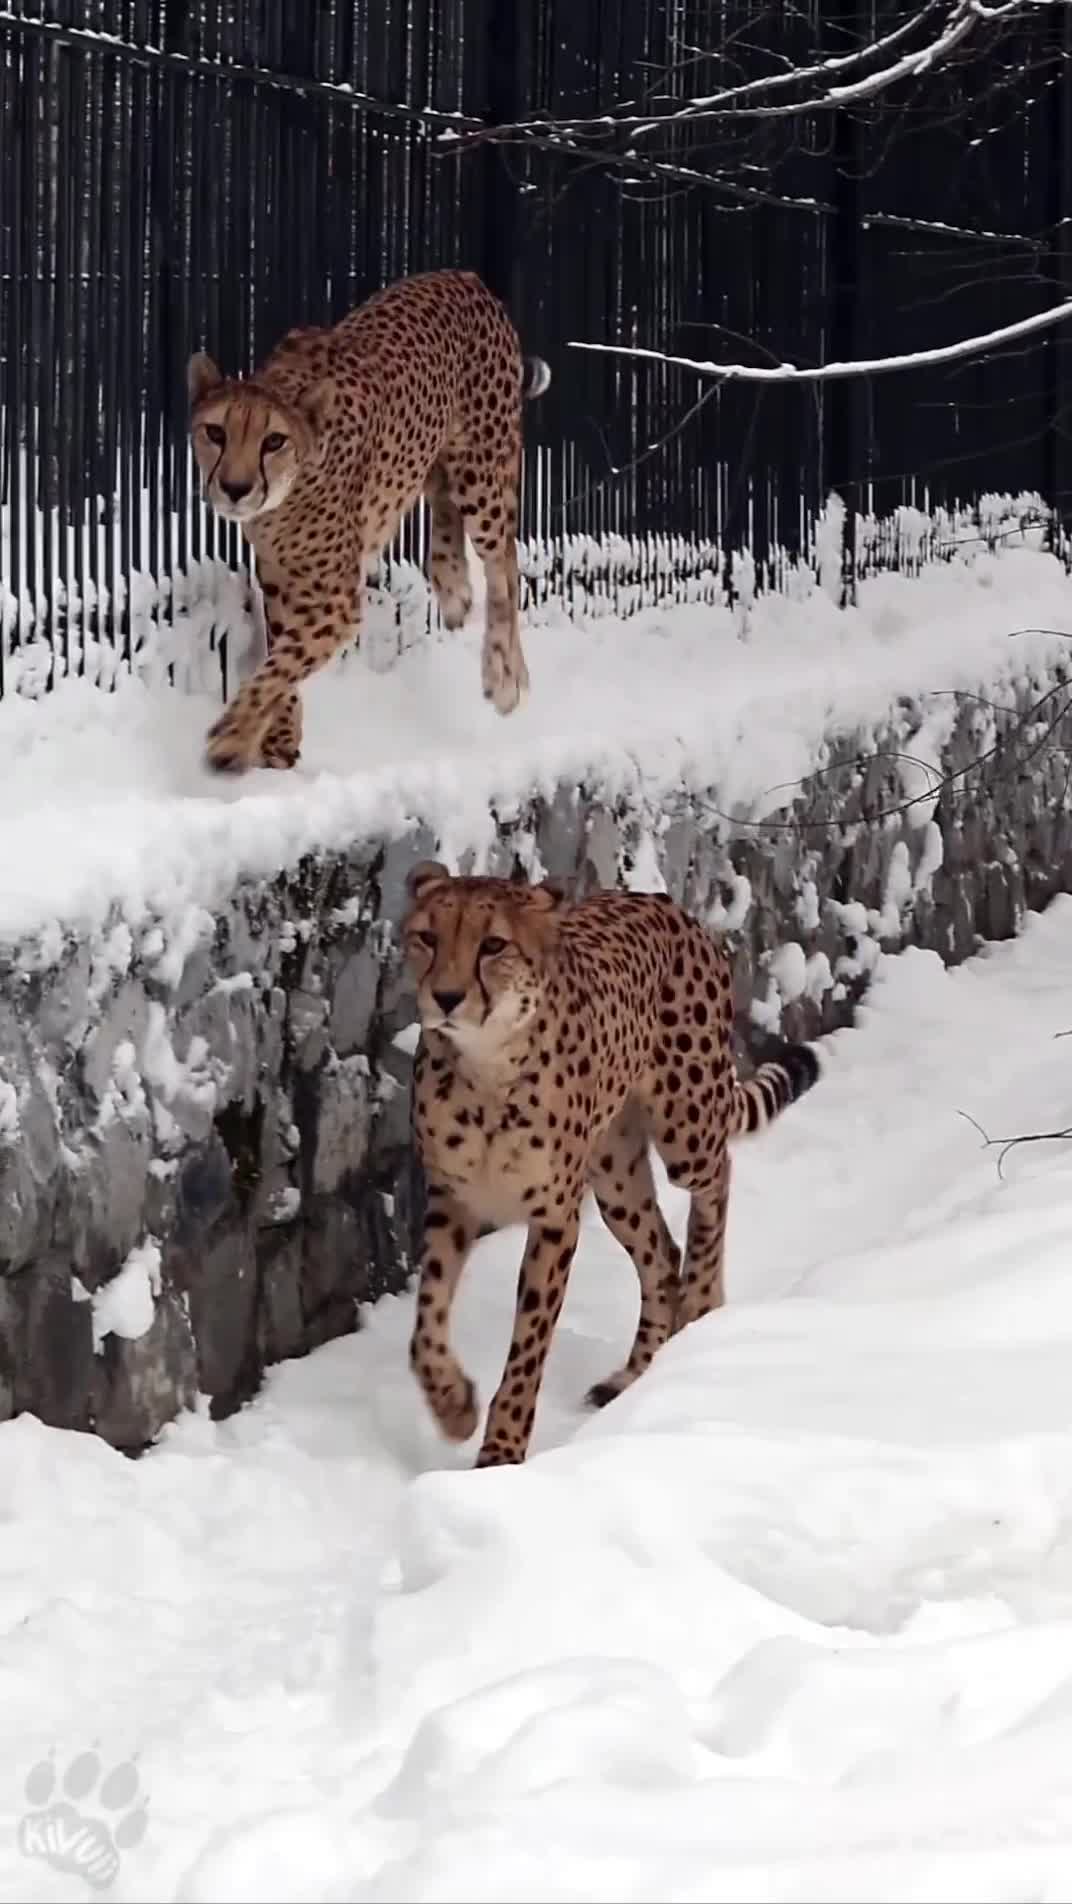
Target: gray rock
{"x": 357, "y": 982}
{"x": 602, "y": 851}
{"x": 676, "y": 848}
{"x": 307, "y": 1028}
{"x": 30, "y": 1159}
{"x": 342, "y": 1122}
{"x": 560, "y": 834}
{"x": 280, "y": 1321}
{"x": 107, "y": 1198}
{"x": 125, "y": 1020}
{"x": 219, "y": 1282}
{"x": 53, "y": 1345}
{"x": 399, "y": 859}
{"x": 141, "y": 1383}
{"x": 334, "y": 1270}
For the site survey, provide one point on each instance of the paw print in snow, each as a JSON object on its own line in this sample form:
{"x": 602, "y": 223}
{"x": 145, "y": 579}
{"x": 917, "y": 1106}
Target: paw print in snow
{"x": 64, "y": 1827}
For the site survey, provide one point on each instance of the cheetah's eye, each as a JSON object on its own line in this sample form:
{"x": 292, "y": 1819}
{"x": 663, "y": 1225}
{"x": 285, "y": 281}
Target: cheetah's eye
{"x": 489, "y": 947}
{"x": 426, "y": 938}
{"x": 215, "y": 434}
{"x": 273, "y": 441}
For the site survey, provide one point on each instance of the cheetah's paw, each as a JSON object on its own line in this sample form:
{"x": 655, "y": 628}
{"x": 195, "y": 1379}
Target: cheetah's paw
{"x": 455, "y": 607}
{"x": 457, "y": 1409}
{"x": 505, "y": 682}
{"x": 499, "y": 1454}
{"x": 601, "y": 1393}
{"x": 226, "y": 750}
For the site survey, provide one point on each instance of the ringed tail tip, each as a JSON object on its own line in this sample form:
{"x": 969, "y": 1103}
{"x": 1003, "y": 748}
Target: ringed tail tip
{"x": 785, "y": 1072}
{"x": 535, "y": 377}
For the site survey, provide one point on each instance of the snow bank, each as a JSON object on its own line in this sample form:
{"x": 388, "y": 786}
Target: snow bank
{"x": 107, "y": 805}
{"x": 790, "y": 1619}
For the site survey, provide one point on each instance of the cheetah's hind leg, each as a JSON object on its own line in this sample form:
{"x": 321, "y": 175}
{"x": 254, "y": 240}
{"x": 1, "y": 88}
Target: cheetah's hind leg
{"x": 448, "y": 566}
{"x": 621, "y": 1179}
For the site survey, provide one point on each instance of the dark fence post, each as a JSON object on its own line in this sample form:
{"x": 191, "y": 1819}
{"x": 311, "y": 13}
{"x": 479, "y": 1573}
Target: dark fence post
{"x": 1058, "y": 361}
{"x": 500, "y": 249}
{"x": 843, "y": 268}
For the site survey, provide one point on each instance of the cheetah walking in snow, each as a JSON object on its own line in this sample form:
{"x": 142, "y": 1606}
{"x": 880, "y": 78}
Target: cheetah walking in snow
{"x": 558, "y": 1041}
{"x": 320, "y": 454}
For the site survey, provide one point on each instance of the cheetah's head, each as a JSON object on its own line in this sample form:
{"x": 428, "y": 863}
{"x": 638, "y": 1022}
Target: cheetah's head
{"x": 249, "y": 442}
{"x": 480, "y": 950}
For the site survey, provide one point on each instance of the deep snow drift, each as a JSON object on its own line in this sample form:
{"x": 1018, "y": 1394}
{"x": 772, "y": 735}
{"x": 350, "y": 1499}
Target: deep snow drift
{"x": 792, "y": 1619}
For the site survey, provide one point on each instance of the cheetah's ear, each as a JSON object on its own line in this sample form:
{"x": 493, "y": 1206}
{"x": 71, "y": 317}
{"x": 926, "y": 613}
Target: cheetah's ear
{"x": 428, "y": 872}
{"x": 202, "y": 375}
{"x": 318, "y": 402}
{"x": 551, "y": 893}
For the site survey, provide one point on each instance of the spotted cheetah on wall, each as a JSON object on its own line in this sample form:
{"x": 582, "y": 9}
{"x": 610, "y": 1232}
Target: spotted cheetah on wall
{"x": 320, "y": 454}
{"x": 558, "y": 1041}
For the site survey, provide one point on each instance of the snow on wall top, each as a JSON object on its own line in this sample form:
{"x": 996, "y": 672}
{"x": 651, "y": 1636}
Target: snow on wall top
{"x": 107, "y": 807}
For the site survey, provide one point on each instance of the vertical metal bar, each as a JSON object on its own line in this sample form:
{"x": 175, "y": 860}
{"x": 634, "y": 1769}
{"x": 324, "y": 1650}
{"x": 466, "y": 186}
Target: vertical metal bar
{"x": 66, "y": 342}
{"x": 1058, "y": 359}
{"x": 38, "y": 435}
{"x": 8, "y": 423}
{"x": 166, "y": 183}
{"x": 94, "y": 344}
{"x": 19, "y": 112}
{"x": 78, "y": 264}
{"x": 34, "y": 373}
{"x": 111, "y": 277}
{"x": 843, "y": 441}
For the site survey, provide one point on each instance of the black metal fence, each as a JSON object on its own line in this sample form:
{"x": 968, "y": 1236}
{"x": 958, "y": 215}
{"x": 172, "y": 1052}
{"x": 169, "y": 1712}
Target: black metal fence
{"x": 177, "y": 173}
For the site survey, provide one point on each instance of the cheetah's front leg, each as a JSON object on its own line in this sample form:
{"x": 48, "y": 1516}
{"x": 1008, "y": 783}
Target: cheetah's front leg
{"x": 281, "y": 746}
{"x": 449, "y": 1234}
{"x": 262, "y": 723}
{"x": 541, "y": 1291}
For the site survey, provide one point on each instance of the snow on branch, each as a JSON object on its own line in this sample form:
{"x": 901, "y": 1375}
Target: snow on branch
{"x": 920, "y": 44}
{"x": 228, "y": 71}
{"x": 962, "y": 19}
{"x": 864, "y": 367}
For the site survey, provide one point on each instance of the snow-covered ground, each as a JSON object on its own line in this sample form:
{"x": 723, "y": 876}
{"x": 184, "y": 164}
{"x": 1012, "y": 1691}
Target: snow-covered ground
{"x": 791, "y": 1620}
{"x": 105, "y": 800}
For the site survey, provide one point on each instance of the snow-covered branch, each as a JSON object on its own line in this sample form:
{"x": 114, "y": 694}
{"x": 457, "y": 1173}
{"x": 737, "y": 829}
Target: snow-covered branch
{"x": 963, "y": 18}
{"x": 224, "y": 69}
{"x": 863, "y": 367}
{"x": 921, "y": 44}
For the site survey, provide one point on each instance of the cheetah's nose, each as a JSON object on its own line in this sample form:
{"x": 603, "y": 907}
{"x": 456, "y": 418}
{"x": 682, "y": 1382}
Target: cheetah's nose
{"x": 447, "y": 1001}
{"x": 236, "y": 491}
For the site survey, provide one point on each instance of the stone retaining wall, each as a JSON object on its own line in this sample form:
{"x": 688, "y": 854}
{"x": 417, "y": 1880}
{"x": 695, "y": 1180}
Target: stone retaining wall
{"x": 198, "y": 1180}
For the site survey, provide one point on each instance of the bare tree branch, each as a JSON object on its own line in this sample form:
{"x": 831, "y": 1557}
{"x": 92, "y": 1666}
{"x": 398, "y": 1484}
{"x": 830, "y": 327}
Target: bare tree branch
{"x": 741, "y": 137}
{"x": 829, "y": 373}
{"x": 1010, "y": 1143}
{"x": 750, "y": 99}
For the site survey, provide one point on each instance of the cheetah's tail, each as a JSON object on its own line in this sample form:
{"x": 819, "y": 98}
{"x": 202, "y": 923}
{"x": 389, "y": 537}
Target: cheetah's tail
{"x": 786, "y": 1073}
{"x": 535, "y": 377}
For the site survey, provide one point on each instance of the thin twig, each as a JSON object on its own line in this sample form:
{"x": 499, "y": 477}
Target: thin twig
{"x": 1005, "y": 1144}
{"x": 951, "y": 780}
